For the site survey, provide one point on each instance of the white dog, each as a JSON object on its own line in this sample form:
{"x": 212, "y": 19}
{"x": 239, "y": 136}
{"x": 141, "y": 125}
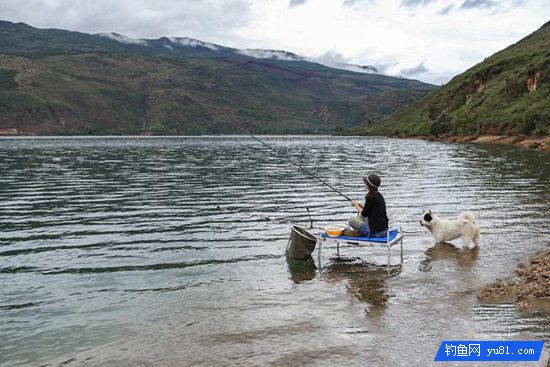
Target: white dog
{"x": 443, "y": 230}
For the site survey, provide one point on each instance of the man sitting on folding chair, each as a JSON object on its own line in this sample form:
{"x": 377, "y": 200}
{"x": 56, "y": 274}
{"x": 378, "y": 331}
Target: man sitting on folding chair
{"x": 372, "y": 219}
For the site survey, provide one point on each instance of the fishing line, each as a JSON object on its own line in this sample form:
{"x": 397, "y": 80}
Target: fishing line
{"x": 257, "y": 139}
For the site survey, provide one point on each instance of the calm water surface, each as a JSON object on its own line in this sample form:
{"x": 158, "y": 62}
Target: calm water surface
{"x": 113, "y": 251}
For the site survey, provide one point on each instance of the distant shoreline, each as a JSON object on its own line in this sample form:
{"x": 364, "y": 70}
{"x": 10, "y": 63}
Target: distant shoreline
{"x": 139, "y": 136}
{"x": 540, "y": 143}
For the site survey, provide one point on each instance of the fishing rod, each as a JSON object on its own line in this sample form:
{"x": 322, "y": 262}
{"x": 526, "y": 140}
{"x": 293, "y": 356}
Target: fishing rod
{"x": 257, "y": 139}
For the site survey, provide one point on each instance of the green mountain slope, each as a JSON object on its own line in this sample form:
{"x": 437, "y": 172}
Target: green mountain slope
{"x": 508, "y": 93}
{"x": 62, "y": 82}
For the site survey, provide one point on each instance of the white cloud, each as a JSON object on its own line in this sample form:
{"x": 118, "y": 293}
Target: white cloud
{"x": 394, "y": 36}
{"x": 416, "y": 70}
{"x": 123, "y": 39}
{"x": 204, "y": 20}
{"x": 296, "y": 2}
{"x": 270, "y": 54}
{"x": 337, "y": 60}
{"x": 415, "y": 2}
{"x": 186, "y": 41}
{"x": 354, "y": 2}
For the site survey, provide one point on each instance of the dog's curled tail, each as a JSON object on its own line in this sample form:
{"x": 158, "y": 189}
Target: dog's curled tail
{"x": 469, "y": 216}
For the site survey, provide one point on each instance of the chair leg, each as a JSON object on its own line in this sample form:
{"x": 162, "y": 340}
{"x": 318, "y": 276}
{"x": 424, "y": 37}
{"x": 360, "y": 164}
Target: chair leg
{"x": 338, "y": 249}
{"x": 319, "y": 254}
{"x": 388, "y": 244}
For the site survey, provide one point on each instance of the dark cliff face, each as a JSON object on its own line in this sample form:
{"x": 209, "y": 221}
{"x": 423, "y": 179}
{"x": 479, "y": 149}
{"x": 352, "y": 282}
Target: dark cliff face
{"x": 61, "y": 82}
{"x": 508, "y": 93}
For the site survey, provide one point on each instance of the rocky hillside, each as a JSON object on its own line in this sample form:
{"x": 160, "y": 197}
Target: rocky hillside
{"x": 61, "y": 82}
{"x": 506, "y": 94}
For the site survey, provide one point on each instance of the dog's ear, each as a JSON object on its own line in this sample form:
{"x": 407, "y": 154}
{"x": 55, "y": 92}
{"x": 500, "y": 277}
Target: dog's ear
{"x": 430, "y": 211}
{"x": 427, "y": 218}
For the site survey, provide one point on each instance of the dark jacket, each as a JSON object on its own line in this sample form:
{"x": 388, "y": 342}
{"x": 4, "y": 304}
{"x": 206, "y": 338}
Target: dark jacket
{"x": 375, "y": 211}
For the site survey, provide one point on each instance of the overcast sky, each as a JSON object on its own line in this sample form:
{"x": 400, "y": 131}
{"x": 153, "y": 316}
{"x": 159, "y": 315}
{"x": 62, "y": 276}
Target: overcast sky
{"x": 429, "y": 40}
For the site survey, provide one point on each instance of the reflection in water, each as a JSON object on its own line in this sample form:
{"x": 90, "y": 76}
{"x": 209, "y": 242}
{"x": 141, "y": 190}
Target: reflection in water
{"x": 446, "y": 251}
{"x": 536, "y": 321}
{"x": 301, "y": 270}
{"x": 365, "y": 281}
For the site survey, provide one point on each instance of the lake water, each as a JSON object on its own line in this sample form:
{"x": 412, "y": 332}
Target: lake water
{"x": 170, "y": 251}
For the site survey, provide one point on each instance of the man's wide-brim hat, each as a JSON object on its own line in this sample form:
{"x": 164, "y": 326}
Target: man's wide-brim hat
{"x": 372, "y": 180}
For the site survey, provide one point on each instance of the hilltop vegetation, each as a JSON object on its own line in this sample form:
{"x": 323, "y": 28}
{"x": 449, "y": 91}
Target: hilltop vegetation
{"x": 61, "y": 82}
{"x": 506, "y": 94}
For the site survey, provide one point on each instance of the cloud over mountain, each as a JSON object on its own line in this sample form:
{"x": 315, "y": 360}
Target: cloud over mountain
{"x": 415, "y": 2}
{"x": 415, "y": 70}
{"x": 296, "y": 2}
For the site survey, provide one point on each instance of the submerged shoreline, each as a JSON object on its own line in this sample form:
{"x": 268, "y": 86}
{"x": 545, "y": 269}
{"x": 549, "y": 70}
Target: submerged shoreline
{"x": 528, "y": 287}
